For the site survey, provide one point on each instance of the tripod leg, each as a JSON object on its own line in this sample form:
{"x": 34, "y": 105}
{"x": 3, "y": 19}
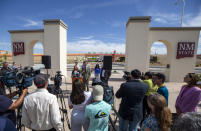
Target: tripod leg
{"x": 64, "y": 109}
{"x": 61, "y": 110}
{"x": 113, "y": 126}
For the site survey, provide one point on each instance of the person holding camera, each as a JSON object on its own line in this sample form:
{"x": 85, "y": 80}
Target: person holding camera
{"x": 132, "y": 93}
{"x": 4, "y": 72}
{"x": 5, "y": 69}
{"x": 40, "y": 110}
{"x": 7, "y": 106}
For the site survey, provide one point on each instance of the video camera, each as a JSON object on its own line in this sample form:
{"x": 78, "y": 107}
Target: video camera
{"x": 127, "y": 76}
{"x": 21, "y": 78}
{"x": 55, "y": 88}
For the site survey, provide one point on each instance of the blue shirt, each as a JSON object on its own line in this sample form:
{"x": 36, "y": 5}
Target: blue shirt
{"x": 98, "y": 113}
{"x": 164, "y": 92}
{"x": 97, "y": 70}
{"x": 151, "y": 123}
{"x": 6, "y": 124}
{"x": 5, "y": 103}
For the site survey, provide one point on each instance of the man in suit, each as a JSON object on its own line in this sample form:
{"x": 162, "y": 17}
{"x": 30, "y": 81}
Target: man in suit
{"x": 86, "y": 73}
{"x": 132, "y": 93}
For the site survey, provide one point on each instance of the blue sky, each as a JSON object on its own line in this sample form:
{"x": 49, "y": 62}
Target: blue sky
{"x": 94, "y": 25}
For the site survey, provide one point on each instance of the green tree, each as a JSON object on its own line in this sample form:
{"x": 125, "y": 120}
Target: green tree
{"x": 5, "y": 56}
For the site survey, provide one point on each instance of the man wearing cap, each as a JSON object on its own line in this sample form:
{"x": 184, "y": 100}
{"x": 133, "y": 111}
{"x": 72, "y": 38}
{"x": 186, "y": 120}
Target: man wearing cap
{"x": 40, "y": 110}
{"x": 98, "y": 112}
{"x": 132, "y": 93}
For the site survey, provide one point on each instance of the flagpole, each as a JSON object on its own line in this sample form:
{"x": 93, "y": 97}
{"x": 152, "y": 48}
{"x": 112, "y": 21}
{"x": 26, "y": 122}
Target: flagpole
{"x": 183, "y": 4}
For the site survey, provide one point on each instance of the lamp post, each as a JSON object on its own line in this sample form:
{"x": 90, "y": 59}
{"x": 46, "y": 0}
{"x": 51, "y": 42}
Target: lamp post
{"x": 183, "y": 4}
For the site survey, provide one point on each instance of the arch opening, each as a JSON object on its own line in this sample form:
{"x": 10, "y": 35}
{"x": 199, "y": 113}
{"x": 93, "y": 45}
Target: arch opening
{"x": 159, "y": 57}
{"x": 38, "y": 52}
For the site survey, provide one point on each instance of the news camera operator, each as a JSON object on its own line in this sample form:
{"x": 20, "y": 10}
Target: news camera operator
{"x": 7, "y": 106}
{"x": 5, "y": 69}
{"x": 40, "y": 110}
{"x": 132, "y": 93}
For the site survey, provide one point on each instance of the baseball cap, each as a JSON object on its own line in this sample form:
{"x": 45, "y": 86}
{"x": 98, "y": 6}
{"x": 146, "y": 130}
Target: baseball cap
{"x": 40, "y": 80}
{"x": 98, "y": 93}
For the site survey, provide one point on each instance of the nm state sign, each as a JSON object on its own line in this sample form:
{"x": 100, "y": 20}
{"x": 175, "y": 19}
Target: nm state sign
{"x": 185, "y": 49}
{"x": 18, "y": 48}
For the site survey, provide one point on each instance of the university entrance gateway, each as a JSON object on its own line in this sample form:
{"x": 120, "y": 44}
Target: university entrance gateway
{"x": 181, "y": 43}
{"x": 53, "y": 38}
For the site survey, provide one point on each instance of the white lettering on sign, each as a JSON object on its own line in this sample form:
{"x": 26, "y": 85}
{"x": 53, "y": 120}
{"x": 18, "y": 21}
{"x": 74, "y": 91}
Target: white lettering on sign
{"x": 185, "y": 49}
{"x": 18, "y": 48}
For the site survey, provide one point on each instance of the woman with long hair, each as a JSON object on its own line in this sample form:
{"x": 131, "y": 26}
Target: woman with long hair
{"x": 160, "y": 118}
{"x": 189, "y": 96}
{"x": 75, "y": 74}
{"x": 78, "y": 101}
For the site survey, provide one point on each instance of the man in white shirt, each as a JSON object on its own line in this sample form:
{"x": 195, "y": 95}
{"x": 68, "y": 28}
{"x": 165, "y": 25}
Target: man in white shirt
{"x": 40, "y": 110}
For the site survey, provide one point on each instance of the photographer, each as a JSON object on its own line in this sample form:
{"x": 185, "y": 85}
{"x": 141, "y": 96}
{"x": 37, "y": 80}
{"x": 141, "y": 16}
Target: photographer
{"x": 132, "y": 93}
{"x": 5, "y": 69}
{"x": 40, "y": 110}
{"x": 7, "y": 106}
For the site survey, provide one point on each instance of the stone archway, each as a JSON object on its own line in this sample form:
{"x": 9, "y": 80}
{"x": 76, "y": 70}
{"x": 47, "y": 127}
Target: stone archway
{"x": 38, "y": 52}
{"x": 54, "y": 40}
{"x": 167, "y": 57}
{"x": 140, "y": 36}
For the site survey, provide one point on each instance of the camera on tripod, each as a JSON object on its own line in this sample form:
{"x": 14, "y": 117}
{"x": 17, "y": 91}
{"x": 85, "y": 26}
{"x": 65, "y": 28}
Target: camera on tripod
{"x": 55, "y": 88}
{"x": 57, "y": 91}
{"x": 127, "y": 76}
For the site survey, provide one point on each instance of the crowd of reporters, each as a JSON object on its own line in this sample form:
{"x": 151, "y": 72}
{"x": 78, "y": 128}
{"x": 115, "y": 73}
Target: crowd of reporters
{"x": 144, "y": 104}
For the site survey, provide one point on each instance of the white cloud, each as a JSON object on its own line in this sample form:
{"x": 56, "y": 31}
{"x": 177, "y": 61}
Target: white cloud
{"x": 117, "y": 24}
{"x": 190, "y": 20}
{"x": 84, "y": 46}
{"x": 97, "y": 5}
{"x": 5, "y": 46}
{"x": 32, "y": 23}
{"x": 158, "y": 48}
{"x": 160, "y": 20}
{"x": 164, "y": 18}
{"x": 85, "y": 38}
{"x": 38, "y": 46}
{"x": 77, "y": 15}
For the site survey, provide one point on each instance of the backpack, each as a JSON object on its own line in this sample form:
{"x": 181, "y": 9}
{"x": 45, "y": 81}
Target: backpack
{"x": 96, "y": 82}
{"x": 108, "y": 95}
